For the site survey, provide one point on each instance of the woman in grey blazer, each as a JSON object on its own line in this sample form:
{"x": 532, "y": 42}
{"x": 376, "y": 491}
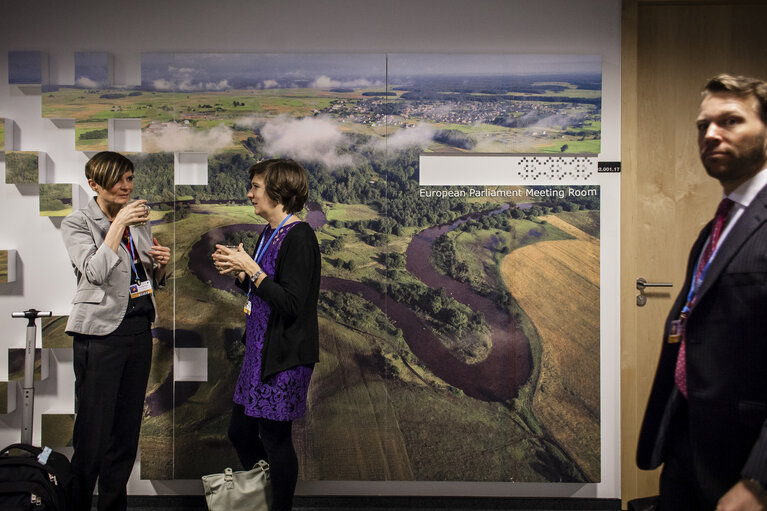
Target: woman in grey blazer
{"x": 118, "y": 265}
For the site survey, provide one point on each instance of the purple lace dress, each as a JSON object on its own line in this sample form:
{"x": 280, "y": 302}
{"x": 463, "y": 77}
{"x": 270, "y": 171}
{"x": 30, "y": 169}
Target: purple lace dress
{"x": 282, "y": 397}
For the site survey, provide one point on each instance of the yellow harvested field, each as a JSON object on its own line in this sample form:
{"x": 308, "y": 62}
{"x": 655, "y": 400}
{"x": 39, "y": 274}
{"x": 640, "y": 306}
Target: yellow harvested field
{"x": 557, "y": 285}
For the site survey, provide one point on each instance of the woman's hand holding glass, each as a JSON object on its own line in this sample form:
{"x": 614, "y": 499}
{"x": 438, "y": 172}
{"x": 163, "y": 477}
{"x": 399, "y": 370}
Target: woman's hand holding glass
{"x": 134, "y": 213}
{"x": 229, "y": 259}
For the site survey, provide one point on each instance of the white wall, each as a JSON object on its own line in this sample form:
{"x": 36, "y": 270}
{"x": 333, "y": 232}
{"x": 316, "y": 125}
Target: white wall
{"x": 125, "y": 29}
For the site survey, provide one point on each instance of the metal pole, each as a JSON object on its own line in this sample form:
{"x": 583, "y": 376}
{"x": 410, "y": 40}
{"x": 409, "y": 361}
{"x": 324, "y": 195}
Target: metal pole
{"x": 27, "y": 416}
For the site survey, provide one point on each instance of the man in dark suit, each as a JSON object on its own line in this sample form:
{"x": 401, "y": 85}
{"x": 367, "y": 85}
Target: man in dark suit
{"x": 706, "y": 419}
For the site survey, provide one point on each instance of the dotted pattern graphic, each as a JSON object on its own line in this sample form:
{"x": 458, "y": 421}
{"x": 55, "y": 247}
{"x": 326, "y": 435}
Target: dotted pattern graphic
{"x": 559, "y": 168}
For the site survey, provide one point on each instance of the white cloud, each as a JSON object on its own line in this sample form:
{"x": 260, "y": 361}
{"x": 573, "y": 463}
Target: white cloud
{"x": 311, "y": 139}
{"x": 173, "y": 137}
{"x": 188, "y": 85}
{"x": 418, "y": 136}
{"x": 222, "y": 85}
{"x": 162, "y": 84}
{"x": 249, "y": 122}
{"x": 325, "y": 82}
{"x": 270, "y": 84}
{"x": 86, "y": 82}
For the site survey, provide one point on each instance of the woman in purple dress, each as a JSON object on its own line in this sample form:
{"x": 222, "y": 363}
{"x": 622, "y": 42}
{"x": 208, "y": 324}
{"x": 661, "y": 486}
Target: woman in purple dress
{"x": 282, "y": 280}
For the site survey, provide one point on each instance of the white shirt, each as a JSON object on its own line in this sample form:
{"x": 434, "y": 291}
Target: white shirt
{"x": 742, "y": 196}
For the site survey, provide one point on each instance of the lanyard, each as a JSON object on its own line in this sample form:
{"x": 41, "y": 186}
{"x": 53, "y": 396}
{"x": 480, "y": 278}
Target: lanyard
{"x": 132, "y": 256}
{"x": 695, "y": 285}
{"x": 261, "y": 250}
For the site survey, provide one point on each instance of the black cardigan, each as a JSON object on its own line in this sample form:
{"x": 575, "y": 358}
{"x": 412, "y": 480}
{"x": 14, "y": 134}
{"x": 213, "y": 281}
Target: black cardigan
{"x": 292, "y": 334}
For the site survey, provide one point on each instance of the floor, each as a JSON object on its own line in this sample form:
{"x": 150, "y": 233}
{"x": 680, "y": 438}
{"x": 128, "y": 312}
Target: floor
{"x": 197, "y": 503}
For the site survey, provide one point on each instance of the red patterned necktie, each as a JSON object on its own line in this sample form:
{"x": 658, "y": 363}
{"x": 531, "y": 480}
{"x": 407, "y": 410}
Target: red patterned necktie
{"x": 680, "y": 373}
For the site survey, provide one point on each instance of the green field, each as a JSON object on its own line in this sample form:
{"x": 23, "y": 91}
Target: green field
{"x": 55, "y": 199}
{"x": 350, "y": 212}
{"x": 586, "y": 221}
{"x": 21, "y": 167}
{"x": 203, "y": 111}
{"x": 573, "y": 146}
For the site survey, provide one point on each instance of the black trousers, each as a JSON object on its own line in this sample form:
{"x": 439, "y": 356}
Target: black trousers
{"x": 257, "y": 439}
{"x": 680, "y": 489}
{"x": 111, "y": 375}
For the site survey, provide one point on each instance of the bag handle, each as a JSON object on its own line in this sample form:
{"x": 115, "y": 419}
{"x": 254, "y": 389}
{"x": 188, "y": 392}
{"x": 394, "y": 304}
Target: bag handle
{"x": 31, "y": 449}
{"x": 264, "y": 466}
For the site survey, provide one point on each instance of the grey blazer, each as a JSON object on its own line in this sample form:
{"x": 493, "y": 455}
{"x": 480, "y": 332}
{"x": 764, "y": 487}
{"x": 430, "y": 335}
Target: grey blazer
{"x": 103, "y": 276}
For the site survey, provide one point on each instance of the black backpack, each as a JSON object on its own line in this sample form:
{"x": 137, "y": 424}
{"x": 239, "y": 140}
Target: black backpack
{"x": 34, "y": 478}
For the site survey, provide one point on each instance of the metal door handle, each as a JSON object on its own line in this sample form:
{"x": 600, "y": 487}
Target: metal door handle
{"x": 642, "y": 284}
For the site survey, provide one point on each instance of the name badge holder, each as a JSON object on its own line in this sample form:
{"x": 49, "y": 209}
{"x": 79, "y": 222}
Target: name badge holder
{"x": 138, "y": 288}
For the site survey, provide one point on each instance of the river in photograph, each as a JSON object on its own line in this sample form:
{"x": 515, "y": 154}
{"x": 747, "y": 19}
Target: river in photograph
{"x": 497, "y": 378}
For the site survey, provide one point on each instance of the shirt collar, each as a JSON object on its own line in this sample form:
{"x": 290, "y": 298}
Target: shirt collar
{"x": 745, "y": 193}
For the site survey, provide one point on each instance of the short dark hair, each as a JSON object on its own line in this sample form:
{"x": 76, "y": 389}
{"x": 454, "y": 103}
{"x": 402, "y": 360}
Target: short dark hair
{"x": 741, "y": 86}
{"x": 285, "y": 182}
{"x": 107, "y": 167}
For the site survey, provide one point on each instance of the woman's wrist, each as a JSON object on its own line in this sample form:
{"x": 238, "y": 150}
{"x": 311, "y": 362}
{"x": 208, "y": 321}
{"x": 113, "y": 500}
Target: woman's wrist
{"x": 255, "y": 273}
{"x": 250, "y": 268}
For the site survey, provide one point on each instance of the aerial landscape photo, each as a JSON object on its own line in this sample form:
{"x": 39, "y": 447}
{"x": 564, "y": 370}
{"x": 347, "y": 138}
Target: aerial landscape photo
{"x": 445, "y": 312}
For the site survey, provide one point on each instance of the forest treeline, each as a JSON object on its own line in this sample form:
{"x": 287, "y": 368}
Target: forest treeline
{"x": 387, "y": 183}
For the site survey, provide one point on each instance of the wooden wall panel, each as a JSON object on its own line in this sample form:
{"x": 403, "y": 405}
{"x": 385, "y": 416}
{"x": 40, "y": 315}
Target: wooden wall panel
{"x": 669, "y": 49}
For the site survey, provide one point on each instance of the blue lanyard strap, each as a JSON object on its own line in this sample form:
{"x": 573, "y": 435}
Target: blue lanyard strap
{"x": 695, "y": 285}
{"x": 132, "y": 256}
{"x": 261, "y": 250}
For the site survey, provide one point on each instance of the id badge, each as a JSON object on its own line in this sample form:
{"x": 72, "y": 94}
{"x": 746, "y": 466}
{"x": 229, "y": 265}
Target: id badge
{"x": 141, "y": 289}
{"x": 247, "y": 308}
{"x": 677, "y": 331}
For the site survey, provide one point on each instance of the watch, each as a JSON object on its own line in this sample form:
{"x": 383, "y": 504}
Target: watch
{"x": 755, "y": 486}
{"x": 254, "y": 277}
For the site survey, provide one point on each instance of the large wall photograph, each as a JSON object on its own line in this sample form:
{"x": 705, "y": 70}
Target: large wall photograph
{"x": 459, "y": 325}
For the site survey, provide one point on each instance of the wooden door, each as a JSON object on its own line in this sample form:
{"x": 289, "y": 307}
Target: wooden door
{"x": 670, "y": 49}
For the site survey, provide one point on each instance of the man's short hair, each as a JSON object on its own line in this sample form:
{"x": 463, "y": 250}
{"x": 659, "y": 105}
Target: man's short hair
{"x": 741, "y": 86}
{"x": 285, "y": 182}
{"x": 106, "y": 168}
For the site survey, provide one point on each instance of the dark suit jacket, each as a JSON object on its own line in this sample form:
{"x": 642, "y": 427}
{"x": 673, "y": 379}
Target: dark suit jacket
{"x": 726, "y": 362}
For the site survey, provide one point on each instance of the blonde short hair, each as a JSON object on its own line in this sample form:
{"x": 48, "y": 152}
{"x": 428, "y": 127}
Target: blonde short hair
{"x": 107, "y": 167}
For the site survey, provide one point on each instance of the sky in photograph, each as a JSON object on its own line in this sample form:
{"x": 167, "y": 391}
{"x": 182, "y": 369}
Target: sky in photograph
{"x": 224, "y": 71}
